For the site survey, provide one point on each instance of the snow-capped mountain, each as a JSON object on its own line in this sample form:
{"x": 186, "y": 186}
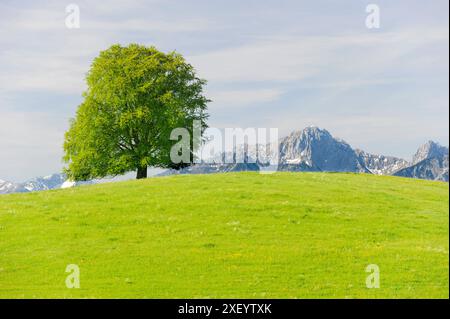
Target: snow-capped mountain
{"x": 380, "y": 164}
{"x": 55, "y": 181}
{"x": 310, "y": 149}
{"x": 435, "y": 168}
{"x": 429, "y": 162}
{"x": 316, "y": 150}
{"x": 32, "y": 185}
{"x": 44, "y": 183}
{"x": 429, "y": 150}
{"x": 7, "y": 187}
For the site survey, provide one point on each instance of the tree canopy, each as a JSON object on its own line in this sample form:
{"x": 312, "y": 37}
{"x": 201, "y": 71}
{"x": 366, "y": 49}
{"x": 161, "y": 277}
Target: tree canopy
{"x": 135, "y": 97}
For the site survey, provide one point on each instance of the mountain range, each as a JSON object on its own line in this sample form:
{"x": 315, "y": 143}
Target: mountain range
{"x": 35, "y": 184}
{"x": 316, "y": 150}
{"x": 311, "y": 149}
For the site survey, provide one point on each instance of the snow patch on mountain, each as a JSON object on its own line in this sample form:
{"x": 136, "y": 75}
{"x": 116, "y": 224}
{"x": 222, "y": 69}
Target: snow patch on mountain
{"x": 380, "y": 164}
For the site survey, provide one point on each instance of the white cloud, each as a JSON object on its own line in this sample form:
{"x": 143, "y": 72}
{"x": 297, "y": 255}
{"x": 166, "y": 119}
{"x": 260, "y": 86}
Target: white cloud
{"x": 146, "y": 25}
{"x": 295, "y": 58}
{"x": 41, "y": 72}
{"x": 56, "y": 58}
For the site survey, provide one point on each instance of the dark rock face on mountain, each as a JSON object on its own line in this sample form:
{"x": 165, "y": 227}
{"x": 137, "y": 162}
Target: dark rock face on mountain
{"x": 243, "y": 167}
{"x": 314, "y": 149}
{"x": 380, "y": 164}
{"x": 429, "y": 162}
{"x": 431, "y": 168}
{"x": 301, "y": 167}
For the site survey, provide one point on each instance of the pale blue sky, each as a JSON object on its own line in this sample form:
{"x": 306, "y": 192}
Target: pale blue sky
{"x": 285, "y": 64}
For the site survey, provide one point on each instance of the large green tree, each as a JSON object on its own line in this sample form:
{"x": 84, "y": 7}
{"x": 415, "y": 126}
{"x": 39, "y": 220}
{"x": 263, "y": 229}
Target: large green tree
{"x": 135, "y": 97}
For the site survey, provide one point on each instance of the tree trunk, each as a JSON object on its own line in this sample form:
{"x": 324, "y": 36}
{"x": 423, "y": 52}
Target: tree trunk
{"x": 141, "y": 172}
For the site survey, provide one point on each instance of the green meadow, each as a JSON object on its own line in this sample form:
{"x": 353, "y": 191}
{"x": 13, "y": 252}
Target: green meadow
{"x": 233, "y": 235}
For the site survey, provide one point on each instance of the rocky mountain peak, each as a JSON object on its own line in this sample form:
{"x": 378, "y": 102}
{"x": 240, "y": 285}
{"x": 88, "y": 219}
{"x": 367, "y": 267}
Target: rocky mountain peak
{"x": 311, "y": 133}
{"x": 317, "y": 149}
{"x": 429, "y": 150}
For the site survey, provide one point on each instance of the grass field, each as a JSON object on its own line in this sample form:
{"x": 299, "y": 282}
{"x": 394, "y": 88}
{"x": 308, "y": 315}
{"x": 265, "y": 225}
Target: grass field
{"x": 240, "y": 235}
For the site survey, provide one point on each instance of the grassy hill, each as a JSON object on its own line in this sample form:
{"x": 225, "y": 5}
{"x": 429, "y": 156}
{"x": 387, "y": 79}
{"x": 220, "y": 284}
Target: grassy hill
{"x": 286, "y": 235}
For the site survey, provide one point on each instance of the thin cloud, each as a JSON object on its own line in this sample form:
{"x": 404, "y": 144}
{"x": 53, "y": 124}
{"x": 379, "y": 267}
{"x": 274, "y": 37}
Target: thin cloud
{"x": 296, "y": 58}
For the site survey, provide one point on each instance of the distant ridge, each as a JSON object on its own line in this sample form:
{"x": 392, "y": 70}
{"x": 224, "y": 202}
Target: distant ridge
{"x": 309, "y": 150}
{"x": 316, "y": 150}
